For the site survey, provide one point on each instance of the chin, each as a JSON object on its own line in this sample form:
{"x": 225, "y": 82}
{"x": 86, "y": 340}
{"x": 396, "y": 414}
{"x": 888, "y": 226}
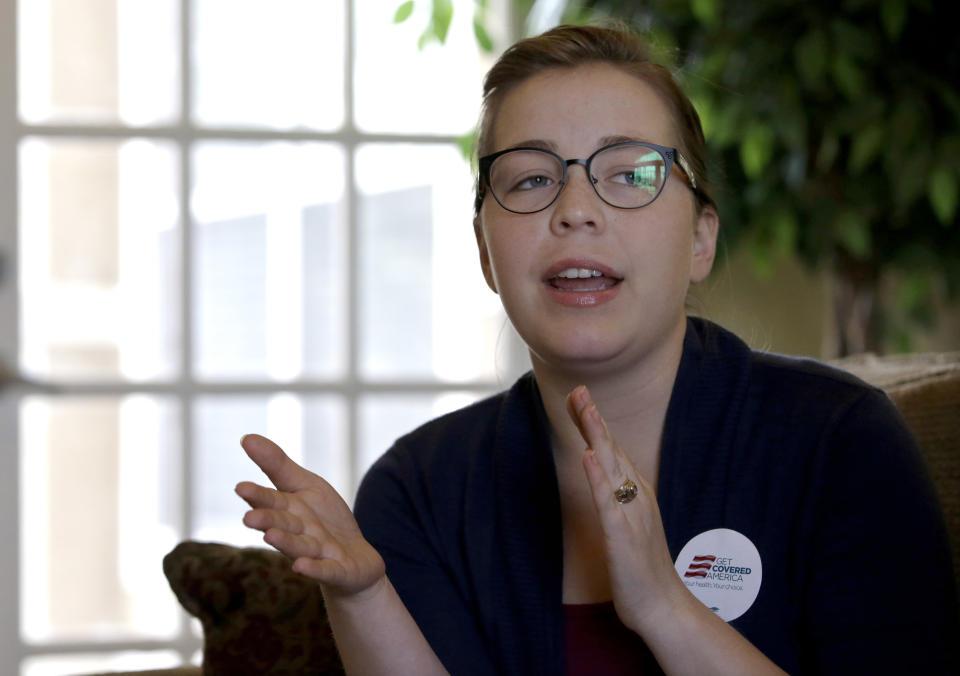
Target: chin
{"x": 580, "y": 354}
{"x": 602, "y": 350}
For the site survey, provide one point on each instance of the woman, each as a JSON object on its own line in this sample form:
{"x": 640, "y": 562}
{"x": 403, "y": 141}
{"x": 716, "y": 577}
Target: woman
{"x": 733, "y": 512}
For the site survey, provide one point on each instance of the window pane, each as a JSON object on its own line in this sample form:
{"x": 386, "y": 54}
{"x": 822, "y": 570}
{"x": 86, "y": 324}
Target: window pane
{"x": 88, "y": 663}
{"x": 425, "y": 309}
{"x": 101, "y": 509}
{"x": 386, "y": 417}
{"x": 99, "y": 259}
{"x": 401, "y": 88}
{"x": 269, "y": 262}
{"x": 310, "y": 430}
{"x": 99, "y": 61}
{"x": 270, "y": 64}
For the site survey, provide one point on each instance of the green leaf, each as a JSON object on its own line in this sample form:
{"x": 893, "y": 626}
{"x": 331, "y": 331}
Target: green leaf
{"x": 440, "y": 18}
{"x": 913, "y": 293}
{"x": 867, "y": 143}
{"x": 909, "y": 183}
{"x": 848, "y": 76}
{"x": 704, "y": 10}
{"x": 756, "y": 150}
{"x": 403, "y": 12}
{"x": 704, "y": 108}
{"x": 942, "y": 190}
{"x": 724, "y": 124}
{"x": 904, "y": 124}
{"x": 810, "y": 57}
{"x": 575, "y": 14}
{"x": 483, "y": 38}
{"x": 713, "y": 63}
{"x": 436, "y": 31}
{"x": 949, "y": 96}
{"x": 858, "y": 39}
{"x": 827, "y": 152}
{"x": 761, "y": 262}
{"x": 465, "y": 146}
{"x": 893, "y": 14}
{"x": 792, "y": 127}
{"x": 853, "y": 233}
{"x": 783, "y": 231}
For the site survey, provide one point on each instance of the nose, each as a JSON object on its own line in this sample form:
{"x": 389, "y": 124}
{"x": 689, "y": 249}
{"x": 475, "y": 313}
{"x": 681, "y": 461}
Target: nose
{"x": 578, "y": 204}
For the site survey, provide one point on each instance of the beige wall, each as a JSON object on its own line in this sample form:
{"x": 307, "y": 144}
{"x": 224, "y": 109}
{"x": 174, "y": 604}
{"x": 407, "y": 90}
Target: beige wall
{"x": 790, "y": 311}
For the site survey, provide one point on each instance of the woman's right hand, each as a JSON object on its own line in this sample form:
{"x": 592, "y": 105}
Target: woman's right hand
{"x": 307, "y": 520}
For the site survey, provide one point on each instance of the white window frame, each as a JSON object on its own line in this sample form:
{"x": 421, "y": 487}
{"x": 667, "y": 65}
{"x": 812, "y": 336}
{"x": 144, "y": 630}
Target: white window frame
{"x": 351, "y": 387}
{"x": 10, "y": 645}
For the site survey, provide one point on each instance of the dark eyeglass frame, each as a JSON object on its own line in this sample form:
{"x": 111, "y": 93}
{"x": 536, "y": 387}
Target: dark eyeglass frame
{"x": 670, "y": 156}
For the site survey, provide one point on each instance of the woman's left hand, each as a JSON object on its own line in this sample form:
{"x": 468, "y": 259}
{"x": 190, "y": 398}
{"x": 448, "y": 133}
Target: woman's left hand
{"x": 643, "y": 579}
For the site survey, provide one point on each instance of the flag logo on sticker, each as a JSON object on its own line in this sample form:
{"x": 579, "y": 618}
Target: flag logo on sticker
{"x": 700, "y": 565}
{"x": 722, "y": 568}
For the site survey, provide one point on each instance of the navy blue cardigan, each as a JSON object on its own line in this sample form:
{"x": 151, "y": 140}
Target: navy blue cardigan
{"x": 816, "y": 468}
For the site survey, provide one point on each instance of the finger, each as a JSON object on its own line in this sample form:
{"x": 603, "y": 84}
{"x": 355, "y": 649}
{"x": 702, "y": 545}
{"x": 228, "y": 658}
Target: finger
{"x": 265, "y": 519}
{"x": 261, "y": 497}
{"x": 300, "y": 516}
{"x": 574, "y": 405}
{"x": 614, "y": 514}
{"x": 596, "y": 475}
{"x": 298, "y": 545}
{"x": 595, "y": 433}
{"x": 283, "y": 472}
{"x": 581, "y": 407}
{"x": 613, "y": 469}
{"x": 612, "y": 519}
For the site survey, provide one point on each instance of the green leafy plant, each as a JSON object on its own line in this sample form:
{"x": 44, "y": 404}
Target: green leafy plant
{"x": 441, "y": 14}
{"x": 835, "y": 133}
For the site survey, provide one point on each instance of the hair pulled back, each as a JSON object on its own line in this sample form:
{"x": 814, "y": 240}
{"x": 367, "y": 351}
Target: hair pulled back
{"x": 571, "y": 46}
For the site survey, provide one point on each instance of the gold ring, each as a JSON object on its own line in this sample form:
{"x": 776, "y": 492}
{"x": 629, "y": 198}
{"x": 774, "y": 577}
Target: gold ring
{"x": 626, "y": 492}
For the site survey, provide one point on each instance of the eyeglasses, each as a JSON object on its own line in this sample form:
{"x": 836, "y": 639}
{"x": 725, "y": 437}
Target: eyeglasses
{"x": 626, "y": 175}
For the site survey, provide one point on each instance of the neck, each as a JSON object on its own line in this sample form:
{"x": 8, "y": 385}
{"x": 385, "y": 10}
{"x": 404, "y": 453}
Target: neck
{"x": 633, "y": 402}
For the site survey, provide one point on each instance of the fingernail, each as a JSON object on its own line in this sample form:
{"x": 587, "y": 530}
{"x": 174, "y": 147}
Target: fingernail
{"x": 242, "y": 438}
{"x": 598, "y": 419}
{"x": 594, "y": 414}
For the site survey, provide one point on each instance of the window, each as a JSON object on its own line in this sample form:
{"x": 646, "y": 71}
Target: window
{"x": 222, "y": 216}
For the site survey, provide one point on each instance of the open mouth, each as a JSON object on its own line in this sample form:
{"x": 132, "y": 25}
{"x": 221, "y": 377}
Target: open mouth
{"x": 581, "y": 280}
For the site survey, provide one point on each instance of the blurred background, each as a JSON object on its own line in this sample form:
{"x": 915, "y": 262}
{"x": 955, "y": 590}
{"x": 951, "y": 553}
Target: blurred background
{"x": 231, "y": 216}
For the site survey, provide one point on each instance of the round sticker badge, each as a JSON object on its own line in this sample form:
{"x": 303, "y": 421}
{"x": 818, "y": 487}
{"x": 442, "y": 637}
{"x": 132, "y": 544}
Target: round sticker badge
{"x": 722, "y": 568}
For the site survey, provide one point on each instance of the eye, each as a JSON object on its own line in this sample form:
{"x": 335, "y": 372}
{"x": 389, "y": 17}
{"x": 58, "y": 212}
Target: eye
{"x": 638, "y": 177}
{"x": 533, "y": 182}
{"x": 525, "y": 171}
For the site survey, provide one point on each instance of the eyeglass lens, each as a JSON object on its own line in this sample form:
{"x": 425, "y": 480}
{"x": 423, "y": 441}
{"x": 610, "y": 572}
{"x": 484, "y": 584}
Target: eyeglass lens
{"x": 628, "y": 177}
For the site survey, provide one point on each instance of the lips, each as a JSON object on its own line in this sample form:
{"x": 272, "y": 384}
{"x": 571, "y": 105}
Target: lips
{"x": 581, "y": 276}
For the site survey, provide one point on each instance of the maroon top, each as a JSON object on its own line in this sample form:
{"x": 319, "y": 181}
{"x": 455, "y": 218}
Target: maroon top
{"x": 597, "y": 642}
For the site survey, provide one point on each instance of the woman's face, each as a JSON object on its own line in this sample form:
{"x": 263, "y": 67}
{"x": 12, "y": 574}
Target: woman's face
{"x": 646, "y": 257}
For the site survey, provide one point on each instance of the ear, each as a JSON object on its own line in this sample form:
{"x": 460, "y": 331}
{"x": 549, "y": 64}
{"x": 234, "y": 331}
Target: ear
{"x": 484, "y": 254}
{"x": 704, "y": 243}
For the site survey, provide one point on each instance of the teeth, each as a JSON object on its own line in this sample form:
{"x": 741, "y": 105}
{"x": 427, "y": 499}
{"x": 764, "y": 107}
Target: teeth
{"x": 579, "y": 273}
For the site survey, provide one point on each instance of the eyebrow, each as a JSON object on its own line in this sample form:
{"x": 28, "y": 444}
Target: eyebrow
{"x": 534, "y": 143}
{"x": 610, "y": 140}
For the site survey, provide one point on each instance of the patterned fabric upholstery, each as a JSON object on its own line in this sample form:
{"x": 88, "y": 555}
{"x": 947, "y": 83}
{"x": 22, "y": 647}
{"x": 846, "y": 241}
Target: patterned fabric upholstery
{"x": 926, "y": 391}
{"x": 258, "y": 616}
